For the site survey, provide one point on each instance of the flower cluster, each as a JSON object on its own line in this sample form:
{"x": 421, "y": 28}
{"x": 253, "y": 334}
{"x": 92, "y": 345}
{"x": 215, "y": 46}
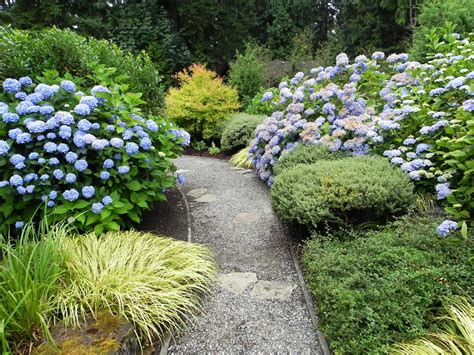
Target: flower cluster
{"x": 417, "y": 115}
{"x": 79, "y": 153}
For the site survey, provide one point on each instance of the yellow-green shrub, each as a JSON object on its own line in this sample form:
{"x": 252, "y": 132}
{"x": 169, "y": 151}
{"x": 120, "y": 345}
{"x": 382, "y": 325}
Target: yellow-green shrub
{"x": 201, "y": 103}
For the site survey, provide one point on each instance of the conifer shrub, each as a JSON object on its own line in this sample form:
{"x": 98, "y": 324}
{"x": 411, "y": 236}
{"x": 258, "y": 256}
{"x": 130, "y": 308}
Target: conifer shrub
{"x": 348, "y": 190}
{"x": 238, "y": 130}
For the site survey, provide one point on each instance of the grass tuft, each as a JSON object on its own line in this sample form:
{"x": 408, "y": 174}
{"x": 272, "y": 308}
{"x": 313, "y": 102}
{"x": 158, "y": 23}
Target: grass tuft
{"x": 241, "y": 159}
{"x": 154, "y": 282}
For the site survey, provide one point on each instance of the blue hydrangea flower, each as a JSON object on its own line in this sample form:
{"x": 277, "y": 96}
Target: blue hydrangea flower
{"x": 181, "y": 179}
{"x": 25, "y": 81}
{"x": 110, "y": 128}
{"x": 152, "y": 125}
{"x": 131, "y": 148}
{"x": 88, "y": 191}
{"x": 35, "y": 98}
{"x": 68, "y": 85}
{"x": 127, "y": 134}
{"x": 46, "y": 110}
{"x": 107, "y": 200}
{"x": 63, "y": 148}
{"x": 118, "y": 156}
{"x": 443, "y": 190}
{"x": 44, "y": 177}
{"x": 90, "y": 101}
{"x": 70, "y": 178}
{"x": 21, "y": 190}
{"x": 20, "y": 95}
{"x": 97, "y": 207}
{"x": 4, "y": 183}
{"x": 51, "y": 203}
{"x": 100, "y": 144}
{"x": 16, "y": 180}
{"x": 41, "y": 161}
{"x": 36, "y": 126}
{"x": 17, "y": 159}
{"x": 53, "y": 194}
{"x": 11, "y": 85}
{"x": 99, "y": 88}
{"x": 30, "y": 189}
{"x": 422, "y": 147}
{"x": 392, "y": 153}
{"x": 46, "y": 90}
{"x": 65, "y": 132}
{"x": 409, "y": 141}
{"x": 30, "y": 177}
{"x": 95, "y": 125}
{"x": 23, "y": 107}
{"x": 82, "y": 109}
{"x": 10, "y": 117}
{"x": 84, "y": 125}
{"x": 51, "y": 135}
{"x": 50, "y": 147}
{"x": 19, "y": 224}
{"x": 267, "y": 96}
{"x": 468, "y": 105}
{"x": 104, "y": 175}
{"x": 54, "y": 161}
{"x": 116, "y": 142}
{"x": 23, "y": 138}
{"x": 64, "y": 118}
{"x": 71, "y": 195}
{"x": 3, "y": 108}
{"x": 123, "y": 169}
{"x": 71, "y": 157}
{"x": 145, "y": 143}
{"x": 58, "y": 174}
{"x": 378, "y": 55}
{"x": 4, "y": 147}
{"x": 81, "y": 165}
{"x": 446, "y": 227}
{"x": 108, "y": 164}
{"x": 437, "y": 91}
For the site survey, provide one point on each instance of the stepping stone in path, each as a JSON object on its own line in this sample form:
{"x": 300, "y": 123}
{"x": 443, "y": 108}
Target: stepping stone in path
{"x": 197, "y": 192}
{"x": 181, "y": 171}
{"x": 237, "y": 282}
{"x": 236, "y": 168}
{"x": 273, "y": 290}
{"x": 207, "y": 198}
{"x": 246, "y": 218}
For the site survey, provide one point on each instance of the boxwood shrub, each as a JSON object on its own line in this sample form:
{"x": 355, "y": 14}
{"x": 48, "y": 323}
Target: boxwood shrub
{"x": 305, "y": 154}
{"x": 382, "y": 287}
{"x": 238, "y": 131}
{"x": 346, "y": 190}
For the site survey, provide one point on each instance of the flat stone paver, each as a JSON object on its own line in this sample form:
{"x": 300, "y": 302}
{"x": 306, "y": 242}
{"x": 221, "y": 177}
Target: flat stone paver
{"x": 237, "y": 282}
{"x": 258, "y": 305}
{"x": 273, "y": 290}
{"x": 243, "y": 218}
{"x": 196, "y": 193}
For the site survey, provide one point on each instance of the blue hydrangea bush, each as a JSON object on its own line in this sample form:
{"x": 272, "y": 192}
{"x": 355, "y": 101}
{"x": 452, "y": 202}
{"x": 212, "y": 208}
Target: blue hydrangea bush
{"x": 84, "y": 154}
{"x": 418, "y": 115}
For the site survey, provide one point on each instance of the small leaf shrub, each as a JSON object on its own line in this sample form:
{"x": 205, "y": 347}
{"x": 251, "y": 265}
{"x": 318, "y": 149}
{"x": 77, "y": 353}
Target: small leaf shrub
{"x": 247, "y": 73}
{"x": 154, "y": 282}
{"x": 86, "y": 154}
{"x": 238, "y": 131}
{"x": 382, "y": 287}
{"x": 305, "y": 154}
{"x": 420, "y": 116}
{"x": 29, "y": 53}
{"x": 202, "y": 103}
{"x": 345, "y": 190}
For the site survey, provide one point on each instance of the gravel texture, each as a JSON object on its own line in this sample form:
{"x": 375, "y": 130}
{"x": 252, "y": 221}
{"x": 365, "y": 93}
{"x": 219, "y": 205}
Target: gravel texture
{"x": 246, "y": 237}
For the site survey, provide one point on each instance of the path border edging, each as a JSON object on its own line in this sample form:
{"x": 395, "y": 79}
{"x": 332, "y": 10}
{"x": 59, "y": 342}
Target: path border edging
{"x": 188, "y": 213}
{"x": 310, "y": 304}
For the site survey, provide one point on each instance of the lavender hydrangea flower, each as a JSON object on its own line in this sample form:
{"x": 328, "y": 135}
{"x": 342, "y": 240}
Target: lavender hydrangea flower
{"x": 81, "y": 165}
{"x": 267, "y": 96}
{"x": 107, "y": 200}
{"x": 71, "y": 157}
{"x": 16, "y": 180}
{"x": 64, "y": 118}
{"x": 446, "y": 227}
{"x": 82, "y": 109}
{"x": 392, "y": 153}
{"x": 99, "y": 88}
{"x": 123, "y": 169}
{"x": 23, "y": 107}
{"x": 90, "y": 101}
{"x": 422, "y": 147}
{"x": 54, "y": 161}
{"x": 19, "y": 224}
{"x": 10, "y": 117}
{"x": 409, "y": 141}
{"x": 58, "y": 174}
{"x": 23, "y": 138}
{"x": 131, "y": 148}
{"x": 443, "y": 190}
{"x": 4, "y": 147}
{"x": 145, "y": 143}
{"x": 116, "y": 142}
{"x": 108, "y": 164}
{"x": 46, "y": 109}
{"x": 468, "y": 105}
{"x": 104, "y": 175}
{"x": 181, "y": 179}
{"x": 50, "y": 147}
{"x": 68, "y": 85}
{"x": 70, "y": 178}
{"x": 151, "y": 125}
{"x": 25, "y": 81}
{"x": 84, "y": 125}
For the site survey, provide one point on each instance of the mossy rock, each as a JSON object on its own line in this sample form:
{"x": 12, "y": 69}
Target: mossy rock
{"x": 103, "y": 336}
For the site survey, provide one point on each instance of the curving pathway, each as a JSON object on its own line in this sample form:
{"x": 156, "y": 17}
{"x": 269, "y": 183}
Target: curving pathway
{"x": 259, "y": 305}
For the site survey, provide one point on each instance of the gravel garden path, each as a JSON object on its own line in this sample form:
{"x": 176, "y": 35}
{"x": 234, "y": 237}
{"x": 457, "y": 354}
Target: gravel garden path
{"x": 259, "y": 304}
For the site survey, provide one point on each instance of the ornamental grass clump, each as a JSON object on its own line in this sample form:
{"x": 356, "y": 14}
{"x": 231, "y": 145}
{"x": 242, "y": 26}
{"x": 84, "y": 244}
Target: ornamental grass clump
{"x": 202, "y": 103}
{"x": 238, "y": 131}
{"x": 349, "y": 190}
{"x": 86, "y": 154}
{"x": 153, "y": 282}
{"x": 305, "y": 154}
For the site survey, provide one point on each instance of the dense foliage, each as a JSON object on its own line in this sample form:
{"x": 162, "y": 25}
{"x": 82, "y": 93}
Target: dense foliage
{"x": 305, "y": 154}
{"x": 238, "y": 131}
{"x": 202, "y": 102}
{"x": 88, "y": 154}
{"x": 29, "y": 53}
{"x": 260, "y": 106}
{"x": 358, "y": 189}
{"x": 418, "y": 115}
{"x": 384, "y": 286}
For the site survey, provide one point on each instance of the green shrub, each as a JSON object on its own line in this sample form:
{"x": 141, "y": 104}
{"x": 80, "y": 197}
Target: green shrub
{"x": 305, "y": 154}
{"x": 238, "y": 130}
{"x": 345, "y": 190}
{"x": 30, "y": 274}
{"x": 247, "y": 73}
{"x": 29, "y": 53}
{"x": 437, "y": 13}
{"x": 153, "y": 282}
{"x": 202, "y": 103}
{"x": 385, "y": 286}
